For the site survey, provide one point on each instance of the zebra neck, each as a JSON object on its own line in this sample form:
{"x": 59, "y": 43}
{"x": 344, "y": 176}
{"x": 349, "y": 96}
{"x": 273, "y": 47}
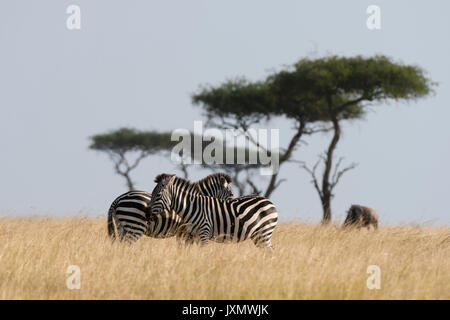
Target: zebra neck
{"x": 202, "y": 187}
{"x": 186, "y": 203}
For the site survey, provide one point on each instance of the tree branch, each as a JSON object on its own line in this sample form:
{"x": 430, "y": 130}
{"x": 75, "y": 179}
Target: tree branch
{"x": 279, "y": 182}
{"x": 255, "y": 189}
{"x": 119, "y": 160}
{"x": 338, "y": 174}
{"x": 141, "y": 156}
{"x": 285, "y": 157}
{"x": 183, "y": 168}
{"x": 312, "y": 172}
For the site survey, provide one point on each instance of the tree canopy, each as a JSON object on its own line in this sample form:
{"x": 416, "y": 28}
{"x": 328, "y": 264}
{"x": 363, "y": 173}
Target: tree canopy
{"x": 118, "y": 143}
{"x": 336, "y": 86}
{"x": 235, "y": 97}
{"x": 129, "y": 139}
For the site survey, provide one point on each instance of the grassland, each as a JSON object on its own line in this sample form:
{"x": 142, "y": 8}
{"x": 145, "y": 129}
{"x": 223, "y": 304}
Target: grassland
{"x": 309, "y": 262}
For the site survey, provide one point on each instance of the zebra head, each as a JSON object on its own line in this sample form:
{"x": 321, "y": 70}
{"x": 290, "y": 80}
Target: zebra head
{"x": 161, "y": 199}
{"x": 217, "y": 185}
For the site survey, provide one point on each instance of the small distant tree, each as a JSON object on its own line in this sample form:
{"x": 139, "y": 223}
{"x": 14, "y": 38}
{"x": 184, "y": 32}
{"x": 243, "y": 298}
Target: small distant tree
{"x": 127, "y": 147}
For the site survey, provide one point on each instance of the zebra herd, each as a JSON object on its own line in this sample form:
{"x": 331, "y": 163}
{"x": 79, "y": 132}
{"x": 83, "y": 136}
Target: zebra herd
{"x": 193, "y": 212}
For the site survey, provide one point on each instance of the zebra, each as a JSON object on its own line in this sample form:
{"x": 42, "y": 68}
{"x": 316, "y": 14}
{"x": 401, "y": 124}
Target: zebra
{"x": 220, "y": 220}
{"x": 361, "y": 216}
{"x": 129, "y": 213}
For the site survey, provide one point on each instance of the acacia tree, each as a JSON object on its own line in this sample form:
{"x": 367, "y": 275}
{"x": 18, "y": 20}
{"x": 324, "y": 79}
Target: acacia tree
{"x": 127, "y": 147}
{"x": 343, "y": 88}
{"x": 317, "y": 95}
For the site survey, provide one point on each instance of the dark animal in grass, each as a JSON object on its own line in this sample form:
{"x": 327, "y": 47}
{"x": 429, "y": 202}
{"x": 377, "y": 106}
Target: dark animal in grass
{"x": 360, "y": 216}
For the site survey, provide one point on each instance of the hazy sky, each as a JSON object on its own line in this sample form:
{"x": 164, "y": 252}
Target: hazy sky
{"x": 135, "y": 63}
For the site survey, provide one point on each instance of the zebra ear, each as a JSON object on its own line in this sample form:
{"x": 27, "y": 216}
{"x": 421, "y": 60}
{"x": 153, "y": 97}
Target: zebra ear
{"x": 227, "y": 178}
{"x": 162, "y": 177}
{"x": 223, "y": 181}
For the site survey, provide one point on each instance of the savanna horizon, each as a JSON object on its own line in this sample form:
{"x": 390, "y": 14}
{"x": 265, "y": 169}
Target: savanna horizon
{"x": 309, "y": 262}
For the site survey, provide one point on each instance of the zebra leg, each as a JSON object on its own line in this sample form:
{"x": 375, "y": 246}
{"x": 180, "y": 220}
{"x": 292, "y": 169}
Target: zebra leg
{"x": 204, "y": 239}
{"x": 263, "y": 242}
{"x": 262, "y": 239}
{"x": 185, "y": 239}
{"x": 262, "y": 235}
{"x": 184, "y": 234}
{"x": 204, "y": 234}
{"x": 180, "y": 239}
{"x": 130, "y": 236}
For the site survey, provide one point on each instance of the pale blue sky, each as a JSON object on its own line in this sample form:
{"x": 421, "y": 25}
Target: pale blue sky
{"x": 135, "y": 63}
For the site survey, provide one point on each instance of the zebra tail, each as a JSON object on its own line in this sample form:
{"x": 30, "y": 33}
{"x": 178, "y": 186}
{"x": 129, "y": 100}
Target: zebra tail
{"x": 111, "y": 217}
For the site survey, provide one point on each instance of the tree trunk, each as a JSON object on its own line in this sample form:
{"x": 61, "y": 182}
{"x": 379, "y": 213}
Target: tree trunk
{"x": 326, "y": 184}
{"x": 184, "y": 170}
{"x": 271, "y": 187}
{"x": 291, "y": 147}
{"x": 238, "y": 184}
{"x": 121, "y": 160}
{"x": 130, "y": 184}
{"x": 326, "y": 207}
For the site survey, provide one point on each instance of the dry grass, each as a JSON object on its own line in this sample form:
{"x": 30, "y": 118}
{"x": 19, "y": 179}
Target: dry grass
{"x": 310, "y": 262}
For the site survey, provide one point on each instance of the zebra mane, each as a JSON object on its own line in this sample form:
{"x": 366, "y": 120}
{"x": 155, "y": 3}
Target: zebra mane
{"x": 227, "y": 177}
{"x": 179, "y": 181}
{"x": 162, "y": 176}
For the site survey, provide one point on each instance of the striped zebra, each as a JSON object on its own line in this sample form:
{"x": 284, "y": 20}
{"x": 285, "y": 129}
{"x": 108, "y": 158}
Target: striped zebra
{"x": 129, "y": 213}
{"x": 249, "y": 217}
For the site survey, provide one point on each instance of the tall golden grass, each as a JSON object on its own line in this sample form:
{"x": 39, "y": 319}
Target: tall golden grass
{"x": 309, "y": 262}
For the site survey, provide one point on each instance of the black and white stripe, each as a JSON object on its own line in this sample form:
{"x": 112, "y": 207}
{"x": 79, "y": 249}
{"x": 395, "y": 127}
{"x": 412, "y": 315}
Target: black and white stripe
{"x": 249, "y": 217}
{"x": 128, "y": 215}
